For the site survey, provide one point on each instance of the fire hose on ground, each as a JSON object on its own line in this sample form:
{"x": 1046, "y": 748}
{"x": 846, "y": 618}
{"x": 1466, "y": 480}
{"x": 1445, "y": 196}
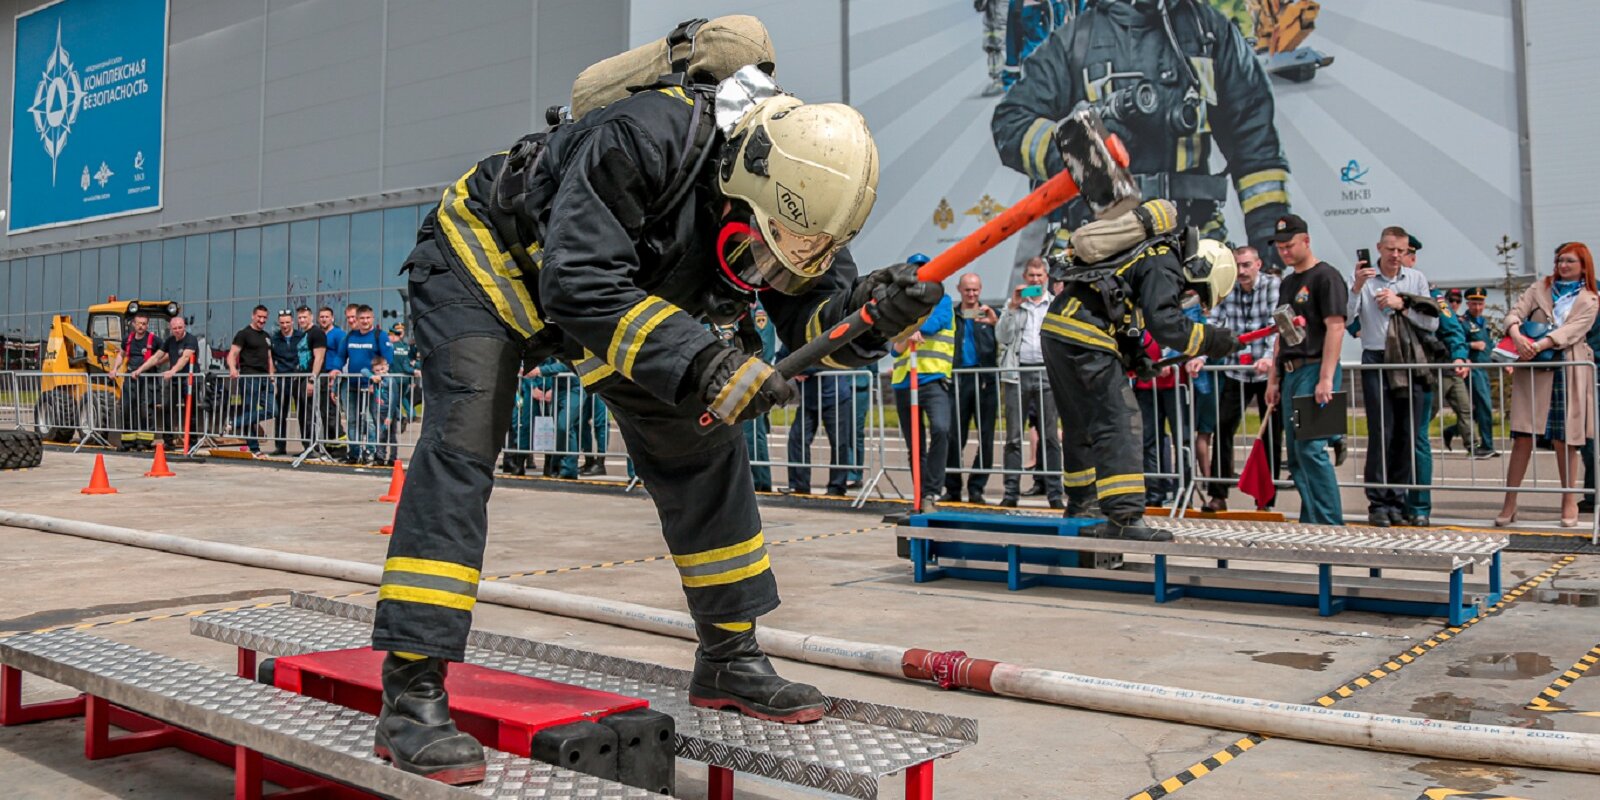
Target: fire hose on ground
{"x": 1574, "y": 752}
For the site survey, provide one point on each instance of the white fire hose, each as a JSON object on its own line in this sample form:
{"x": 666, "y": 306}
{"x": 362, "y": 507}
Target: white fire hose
{"x": 1575, "y": 752}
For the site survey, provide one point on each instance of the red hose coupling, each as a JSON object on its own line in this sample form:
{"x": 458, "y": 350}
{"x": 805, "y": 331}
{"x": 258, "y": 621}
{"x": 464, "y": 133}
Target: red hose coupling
{"x": 950, "y": 669}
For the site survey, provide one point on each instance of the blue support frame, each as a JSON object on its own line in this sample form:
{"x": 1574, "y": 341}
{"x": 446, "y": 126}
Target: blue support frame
{"x": 925, "y": 555}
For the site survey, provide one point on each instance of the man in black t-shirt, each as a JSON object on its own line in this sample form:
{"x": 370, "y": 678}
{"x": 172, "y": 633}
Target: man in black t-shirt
{"x": 178, "y": 354}
{"x": 137, "y": 358}
{"x": 1317, "y": 292}
{"x": 250, "y": 366}
{"x": 315, "y": 343}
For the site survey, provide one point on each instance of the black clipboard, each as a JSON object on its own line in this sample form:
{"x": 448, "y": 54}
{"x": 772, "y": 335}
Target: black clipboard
{"x": 1312, "y": 421}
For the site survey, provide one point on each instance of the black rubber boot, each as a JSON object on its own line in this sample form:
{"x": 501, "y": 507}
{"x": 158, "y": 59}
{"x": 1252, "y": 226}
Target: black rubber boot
{"x": 731, "y": 672}
{"x": 414, "y": 728}
{"x": 1132, "y": 529}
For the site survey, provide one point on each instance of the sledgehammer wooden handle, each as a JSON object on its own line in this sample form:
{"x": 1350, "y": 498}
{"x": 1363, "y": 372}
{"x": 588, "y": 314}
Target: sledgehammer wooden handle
{"x": 1041, "y": 201}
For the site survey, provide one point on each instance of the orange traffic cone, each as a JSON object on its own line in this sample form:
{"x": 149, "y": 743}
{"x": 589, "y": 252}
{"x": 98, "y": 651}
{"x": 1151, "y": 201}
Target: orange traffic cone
{"x": 98, "y": 482}
{"x": 397, "y": 480}
{"x": 388, "y": 530}
{"x": 159, "y": 468}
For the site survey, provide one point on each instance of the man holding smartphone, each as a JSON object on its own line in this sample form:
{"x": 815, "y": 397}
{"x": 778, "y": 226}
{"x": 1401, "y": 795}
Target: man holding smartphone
{"x": 976, "y": 397}
{"x": 1316, "y": 291}
{"x": 1378, "y": 294}
{"x": 1025, "y": 392}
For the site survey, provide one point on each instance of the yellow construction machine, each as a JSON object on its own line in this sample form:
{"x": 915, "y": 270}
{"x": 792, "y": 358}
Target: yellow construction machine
{"x": 1281, "y": 28}
{"x": 76, "y": 388}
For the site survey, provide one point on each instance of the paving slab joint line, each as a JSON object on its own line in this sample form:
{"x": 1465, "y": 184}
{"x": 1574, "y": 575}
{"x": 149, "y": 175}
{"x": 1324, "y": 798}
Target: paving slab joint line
{"x": 1389, "y": 667}
{"x": 1546, "y": 699}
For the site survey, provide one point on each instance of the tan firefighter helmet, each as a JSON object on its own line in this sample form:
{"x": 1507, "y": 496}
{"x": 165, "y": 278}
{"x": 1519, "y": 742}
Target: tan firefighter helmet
{"x": 809, "y": 173}
{"x": 1212, "y": 272}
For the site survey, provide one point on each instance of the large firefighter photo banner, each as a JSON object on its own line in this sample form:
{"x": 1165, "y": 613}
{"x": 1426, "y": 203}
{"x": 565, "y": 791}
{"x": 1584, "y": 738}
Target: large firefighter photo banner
{"x": 1355, "y": 114}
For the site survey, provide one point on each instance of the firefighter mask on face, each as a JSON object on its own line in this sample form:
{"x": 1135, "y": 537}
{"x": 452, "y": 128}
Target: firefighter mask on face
{"x": 803, "y": 178}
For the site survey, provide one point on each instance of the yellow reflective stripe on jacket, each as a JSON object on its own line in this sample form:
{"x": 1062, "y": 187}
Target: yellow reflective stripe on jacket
{"x": 491, "y": 268}
{"x": 435, "y": 583}
{"x": 1261, "y": 188}
{"x": 632, "y": 330}
{"x": 724, "y": 565}
{"x": 1197, "y": 336}
{"x": 1034, "y": 149}
{"x": 1115, "y": 485}
{"x": 677, "y": 92}
{"x": 592, "y": 369}
{"x": 1075, "y": 480}
{"x": 1078, "y": 331}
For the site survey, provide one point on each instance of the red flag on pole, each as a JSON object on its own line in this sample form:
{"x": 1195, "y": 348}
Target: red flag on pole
{"x": 1256, "y": 477}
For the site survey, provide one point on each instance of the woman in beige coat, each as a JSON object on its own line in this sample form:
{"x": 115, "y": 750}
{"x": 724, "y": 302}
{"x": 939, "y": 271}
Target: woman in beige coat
{"x": 1557, "y": 404}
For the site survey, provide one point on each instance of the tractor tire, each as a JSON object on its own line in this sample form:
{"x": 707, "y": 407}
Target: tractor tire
{"x": 52, "y": 415}
{"x": 20, "y": 449}
{"x": 101, "y": 411}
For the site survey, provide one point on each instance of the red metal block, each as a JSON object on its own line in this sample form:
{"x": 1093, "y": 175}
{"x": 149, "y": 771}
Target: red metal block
{"x": 501, "y": 709}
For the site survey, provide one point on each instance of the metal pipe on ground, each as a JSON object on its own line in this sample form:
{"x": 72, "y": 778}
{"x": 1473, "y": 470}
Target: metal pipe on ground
{"x": 1573, "y": 752}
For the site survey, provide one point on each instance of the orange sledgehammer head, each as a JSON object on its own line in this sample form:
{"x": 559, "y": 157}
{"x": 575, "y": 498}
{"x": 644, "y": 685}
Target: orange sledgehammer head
{"x": 98, "y": 482}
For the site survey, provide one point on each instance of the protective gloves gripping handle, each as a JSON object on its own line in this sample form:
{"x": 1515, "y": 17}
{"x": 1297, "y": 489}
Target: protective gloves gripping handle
{"x": 900, "y": 301}
{"x": 1219, "y": 343}
{"x": 737, "y": 387}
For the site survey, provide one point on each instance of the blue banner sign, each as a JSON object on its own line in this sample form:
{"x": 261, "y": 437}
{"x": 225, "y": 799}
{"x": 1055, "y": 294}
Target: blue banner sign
{"x": 87, "y": 111}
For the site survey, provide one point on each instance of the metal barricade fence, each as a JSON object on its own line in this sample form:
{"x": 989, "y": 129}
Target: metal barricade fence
{"x": 844, "y": 405}
{"x": 10, "y": 401}
{"x": 1475, "y": 472}
{"x": 355, "y": 417}
{"x": 1024, "y": 410}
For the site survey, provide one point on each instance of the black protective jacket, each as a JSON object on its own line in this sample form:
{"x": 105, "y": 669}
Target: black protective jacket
{"x": 1109, "y": 306}
{"x": 1233, "y": 104}
{"x": 579, "y": 251}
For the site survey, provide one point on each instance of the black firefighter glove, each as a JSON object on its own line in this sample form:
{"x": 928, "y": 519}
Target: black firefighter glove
{"x": 1219, "y": 343}
{"x": 736, "y": 387}
{"x": 900, "y": 301}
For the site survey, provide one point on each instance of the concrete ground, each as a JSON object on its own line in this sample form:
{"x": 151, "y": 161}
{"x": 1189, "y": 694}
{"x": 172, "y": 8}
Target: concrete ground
{"x": 847, "y": 584}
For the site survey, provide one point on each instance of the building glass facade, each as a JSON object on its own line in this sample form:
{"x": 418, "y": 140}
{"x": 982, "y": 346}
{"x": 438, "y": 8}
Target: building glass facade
{"x": 217, "y": 278}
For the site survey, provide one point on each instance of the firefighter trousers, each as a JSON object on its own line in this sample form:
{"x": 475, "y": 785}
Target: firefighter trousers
{"x": 701, "y": 484}
{"x": 1102, "y": 452}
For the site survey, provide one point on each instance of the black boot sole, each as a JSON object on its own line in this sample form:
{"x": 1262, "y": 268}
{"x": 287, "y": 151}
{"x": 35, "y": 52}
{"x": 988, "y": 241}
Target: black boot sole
{"x": 757, "y": 710}
{"x": 453, "y": 774}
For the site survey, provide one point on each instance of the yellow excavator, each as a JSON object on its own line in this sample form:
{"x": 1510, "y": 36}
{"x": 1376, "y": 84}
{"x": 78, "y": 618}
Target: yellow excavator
{"x": 76, "y": 389}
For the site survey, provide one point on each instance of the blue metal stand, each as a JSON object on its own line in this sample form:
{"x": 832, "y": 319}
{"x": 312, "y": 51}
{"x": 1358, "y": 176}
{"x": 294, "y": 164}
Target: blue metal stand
{"x": 1327, "y": 604}
{"x": 1458, "y": 614}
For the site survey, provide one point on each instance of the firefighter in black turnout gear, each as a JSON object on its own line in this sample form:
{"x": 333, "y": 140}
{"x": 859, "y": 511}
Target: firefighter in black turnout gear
{"x": 611, "y": 242}
{"x": 1129, "y": 275}
{"x": 1172, "y": 78}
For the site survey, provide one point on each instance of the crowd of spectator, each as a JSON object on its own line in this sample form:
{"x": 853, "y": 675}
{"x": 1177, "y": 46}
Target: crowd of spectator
{"x": 978, "y": 370}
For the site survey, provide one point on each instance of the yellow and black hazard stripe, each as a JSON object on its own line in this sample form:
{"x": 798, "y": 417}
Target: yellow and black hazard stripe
{"x": 1200, "y": 769}
{"x": 1389, "y": 667}
{"x": 429, "y": 582}
{"x": 629, "y": 336}
{"x": 1442, "y": 792}
{"x": 1422, "y": 648}
{"x": 493, "y": 270}
{"x": 1546, "y": 699}
{"x": 724, "y": 565}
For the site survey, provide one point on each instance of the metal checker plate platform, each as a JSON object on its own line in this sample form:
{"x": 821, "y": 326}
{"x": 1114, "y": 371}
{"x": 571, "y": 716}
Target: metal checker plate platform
{"x": 844, "y": 753}
{"x": 1461, "y": 547}
{"x": 310, "y": 734}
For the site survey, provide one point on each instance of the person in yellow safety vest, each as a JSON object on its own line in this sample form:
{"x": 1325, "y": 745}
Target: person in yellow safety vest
{"x": 936, "y": 357}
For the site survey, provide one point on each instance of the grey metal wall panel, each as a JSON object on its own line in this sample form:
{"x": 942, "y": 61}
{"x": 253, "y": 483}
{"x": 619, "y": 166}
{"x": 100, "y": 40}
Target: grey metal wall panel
{"x": 1562, "y": 115}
